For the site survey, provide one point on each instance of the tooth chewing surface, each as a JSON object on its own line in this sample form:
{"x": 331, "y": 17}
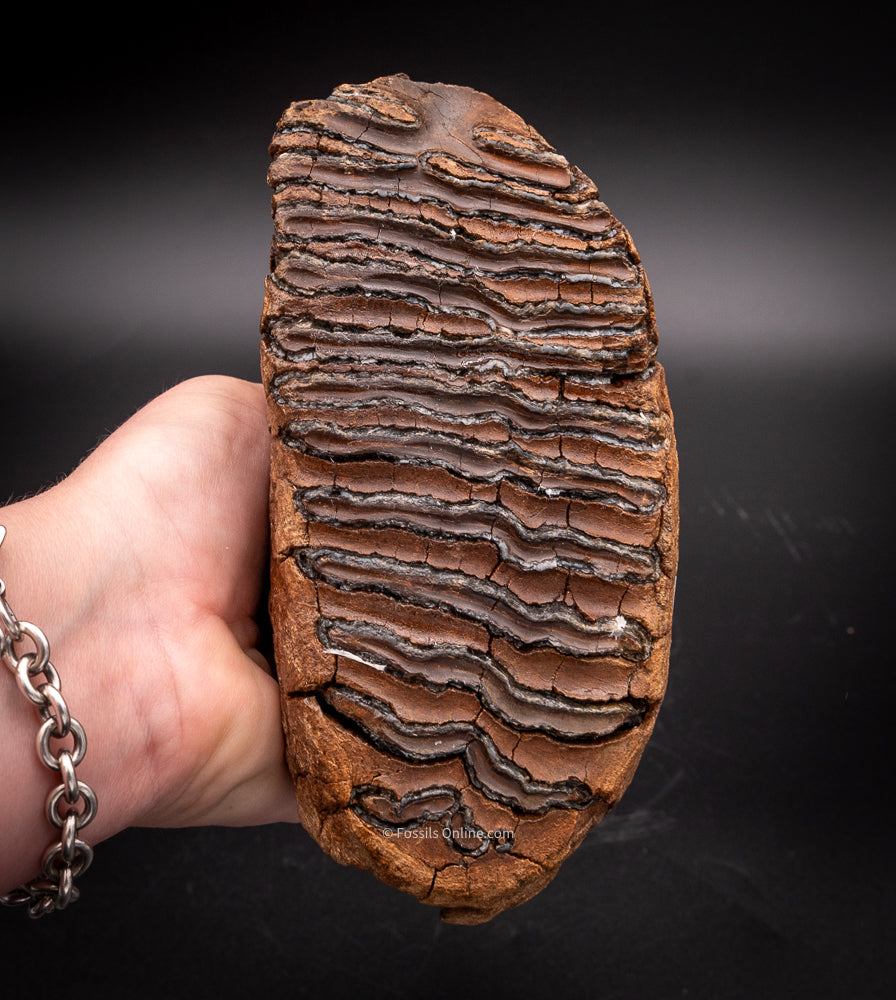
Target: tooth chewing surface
{"x": 473, "y": 491}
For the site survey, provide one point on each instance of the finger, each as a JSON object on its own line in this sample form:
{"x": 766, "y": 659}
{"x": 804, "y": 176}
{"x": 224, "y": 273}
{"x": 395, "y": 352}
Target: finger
{"x": 262, "y": 790}
{"x": 260, "y": 660}
{"x": 232, "y": 763}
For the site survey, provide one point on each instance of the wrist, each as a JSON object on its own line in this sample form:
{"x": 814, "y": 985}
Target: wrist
{"x": 50, "y": 584}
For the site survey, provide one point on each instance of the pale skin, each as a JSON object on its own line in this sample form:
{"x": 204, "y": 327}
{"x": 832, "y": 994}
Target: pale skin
{"x": 144, "y": 568}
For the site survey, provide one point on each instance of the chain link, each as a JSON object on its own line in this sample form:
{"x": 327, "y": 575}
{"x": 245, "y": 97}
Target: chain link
{"x": 71, "y": 805}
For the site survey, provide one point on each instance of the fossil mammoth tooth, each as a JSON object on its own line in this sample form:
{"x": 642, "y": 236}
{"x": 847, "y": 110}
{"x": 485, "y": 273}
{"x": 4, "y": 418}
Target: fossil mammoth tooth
{"x": 474, "y": 514}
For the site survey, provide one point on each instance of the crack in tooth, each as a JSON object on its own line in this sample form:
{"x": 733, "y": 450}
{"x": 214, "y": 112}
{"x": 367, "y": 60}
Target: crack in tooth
{"x": 335, "y": 345}
{"x": 492, "y": 605}
{"x": 536, "y": 549}
{"x": 317, "y": 388}
{"x": 301, "y": 272}
{"x": 363, "y": 250}
{"x": 495, "y": 775}
{"x": 490, "y": 463}
{"x": 521, "y": 708}
{"x": 358, "y": 201}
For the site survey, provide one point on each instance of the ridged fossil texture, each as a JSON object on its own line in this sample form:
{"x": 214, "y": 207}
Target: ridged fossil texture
{"x": 473, "y": 491}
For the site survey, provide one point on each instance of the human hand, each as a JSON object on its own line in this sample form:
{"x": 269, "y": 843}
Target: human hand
{"x": 144, "y": 568}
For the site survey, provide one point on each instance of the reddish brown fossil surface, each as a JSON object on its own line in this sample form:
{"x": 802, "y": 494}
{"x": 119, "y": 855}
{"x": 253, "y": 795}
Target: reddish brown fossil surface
{"x": 473, "y": 492}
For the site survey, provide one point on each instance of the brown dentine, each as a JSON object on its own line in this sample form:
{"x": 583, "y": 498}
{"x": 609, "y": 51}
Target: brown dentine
{"x": 474, "y": 495}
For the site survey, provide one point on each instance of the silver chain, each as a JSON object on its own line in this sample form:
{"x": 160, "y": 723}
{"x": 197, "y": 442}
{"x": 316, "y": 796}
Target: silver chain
{"x": 68, "y": 856}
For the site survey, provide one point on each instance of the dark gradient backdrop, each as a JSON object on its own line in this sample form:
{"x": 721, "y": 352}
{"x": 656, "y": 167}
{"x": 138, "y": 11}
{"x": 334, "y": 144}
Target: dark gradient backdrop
{"x": 750, "y": 155}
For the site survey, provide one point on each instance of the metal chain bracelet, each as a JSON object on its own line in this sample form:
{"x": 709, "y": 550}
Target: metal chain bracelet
{"x": 68, "y": 857}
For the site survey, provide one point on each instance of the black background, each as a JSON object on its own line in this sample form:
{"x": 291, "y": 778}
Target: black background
{"x": 750, "y": 155}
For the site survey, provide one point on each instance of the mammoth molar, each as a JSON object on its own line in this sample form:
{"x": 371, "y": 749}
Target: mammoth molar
{"x": 473, "y": 492}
